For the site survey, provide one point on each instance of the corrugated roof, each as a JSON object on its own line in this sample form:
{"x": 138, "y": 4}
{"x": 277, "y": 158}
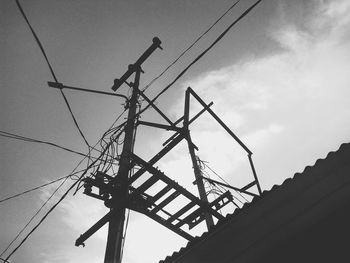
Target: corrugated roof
{"x": 286, "y": 191}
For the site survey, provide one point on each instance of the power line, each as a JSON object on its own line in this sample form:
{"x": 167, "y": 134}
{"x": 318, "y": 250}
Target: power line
{"x": 120, "y": 127}
{"x": 35, "y": 188}
{"x": 111, "y": 142}
{"x": 37, "y": 40}
{"x": 226, "y": 183}
{"x": 38, "y": 211}
{"x": 27, "y": 139}
{"x": 46, "y": 214}
{"x": 51, "y": 69}
{"x": 32, "y": 218}
{"x": 74, "y": 119}
{"x": 65, "y": 177}
{"x": 190, "y": 46}
{"x": 58, "y": 202}
{"x": 202, "y": 54}
{"x": 40, "y": 186}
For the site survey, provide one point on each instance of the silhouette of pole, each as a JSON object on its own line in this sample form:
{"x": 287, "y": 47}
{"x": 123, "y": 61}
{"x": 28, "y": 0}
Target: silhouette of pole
{"x": 120, "y": 183}
{"x": 116, "y": 224}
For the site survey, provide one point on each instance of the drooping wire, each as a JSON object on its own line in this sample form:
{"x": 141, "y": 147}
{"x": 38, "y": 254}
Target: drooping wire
{"x": 202, "y": 54}
{"x": 226, "y": 182}
{"x": 33, "y": 189}
{"x": 37, "y": 40}
{"x": 32, "y": 218}
{"x": 19, "y": 137}
{"x": 74, "y": 119}
{"x": 27, "y": 139}
{"x": 190, "y": 46}
{"x": 38, "y": 211}
{"x": 51, "y": 70}
{"x": 114, "y": 130}
{"x": 108, "y": 145}
{"x": 57, "y": 203}
{"x": 78, "y": 180}
{"x": 41, "y": 186}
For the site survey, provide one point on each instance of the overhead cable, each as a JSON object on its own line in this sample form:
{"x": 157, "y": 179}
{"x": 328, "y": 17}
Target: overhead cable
{"x": 190, "y": 46}
{"x": 27, "y": 139}
{"x": 35, "y": 188}
{"x": 32, "y": 218}
{"x": 41, "y": 186}
{"x": 65, "y": 177}
{"x": 69, "y": 189}
{"x": 226, "y": 183}
{"x": 56, "y": 204}
{"x": 202, "y": 54}
{"x": 51, "y": 69}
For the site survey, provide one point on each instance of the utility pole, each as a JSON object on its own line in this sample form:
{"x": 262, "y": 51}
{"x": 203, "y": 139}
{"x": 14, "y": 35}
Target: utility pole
{"x": 116, "y": 224}
{"x": 120, "y": 192}
{"x": 119, "y": 199}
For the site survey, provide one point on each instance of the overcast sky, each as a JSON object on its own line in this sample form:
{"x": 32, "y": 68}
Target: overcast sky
{"x": 280, "y": 80}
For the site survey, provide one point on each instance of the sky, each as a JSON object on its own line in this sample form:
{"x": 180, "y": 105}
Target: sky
{"x": 279, "y": 79}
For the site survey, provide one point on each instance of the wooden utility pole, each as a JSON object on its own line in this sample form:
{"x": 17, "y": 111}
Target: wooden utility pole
{"x": 116, "y": 224}
{"x": 115, "y": 237}
{"x": 117, "y": 192}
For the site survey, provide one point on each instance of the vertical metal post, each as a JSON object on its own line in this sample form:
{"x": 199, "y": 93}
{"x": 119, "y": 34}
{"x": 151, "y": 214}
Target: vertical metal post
{"x": 113, "y": 252}
{"x": 254, "y": 173}
{"x": 197, "y": 172}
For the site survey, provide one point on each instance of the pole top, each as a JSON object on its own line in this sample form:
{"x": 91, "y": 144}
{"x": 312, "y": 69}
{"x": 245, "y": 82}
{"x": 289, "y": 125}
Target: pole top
{"x": 137, "y": 65}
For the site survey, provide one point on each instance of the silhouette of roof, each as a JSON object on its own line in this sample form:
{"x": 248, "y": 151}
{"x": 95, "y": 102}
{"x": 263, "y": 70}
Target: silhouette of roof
{"x": 303, "y": 219}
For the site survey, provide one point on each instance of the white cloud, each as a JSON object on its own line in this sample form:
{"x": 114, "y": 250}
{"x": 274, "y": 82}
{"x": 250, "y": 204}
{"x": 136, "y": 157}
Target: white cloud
{"x": 277, "y": 104}
{"x": 78, "y": 212}
{"x": 301, "y": 90}
{"x": 338, "y": 11}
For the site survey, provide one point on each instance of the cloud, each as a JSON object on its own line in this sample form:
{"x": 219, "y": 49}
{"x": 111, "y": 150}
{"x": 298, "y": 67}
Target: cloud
{"x": 78, "y": 212}
{"x": 298, "y": 94}
{"x": 337, "y": 11}
{"x": 73, "y": 216}
{"x": 284, "y": 106}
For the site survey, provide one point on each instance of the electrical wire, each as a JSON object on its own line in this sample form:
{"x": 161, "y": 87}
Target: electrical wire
{"x": 38, "y": 211}
{"x": 32, "y": 218}
{"x": 40, "y": 186}
{"x": 190, "y": 46}
{"x": 214, "y": 188}
{"x": 227, "y": 183}
{"x": 74, "y": 119}
{"x": 202, "y": 54}
{"x": 120, "y": 127}
{"x": 33, "y": 140}
{"x": 27, "y": 139}
{"x": 33, "y": 189}
{"x": 110, "y": 143}
{"x": 51, "y": 69}
{"x": 55, "y": 205}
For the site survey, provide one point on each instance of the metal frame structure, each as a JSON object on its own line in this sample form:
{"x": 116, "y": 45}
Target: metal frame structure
{"x": 122, "y": 192}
